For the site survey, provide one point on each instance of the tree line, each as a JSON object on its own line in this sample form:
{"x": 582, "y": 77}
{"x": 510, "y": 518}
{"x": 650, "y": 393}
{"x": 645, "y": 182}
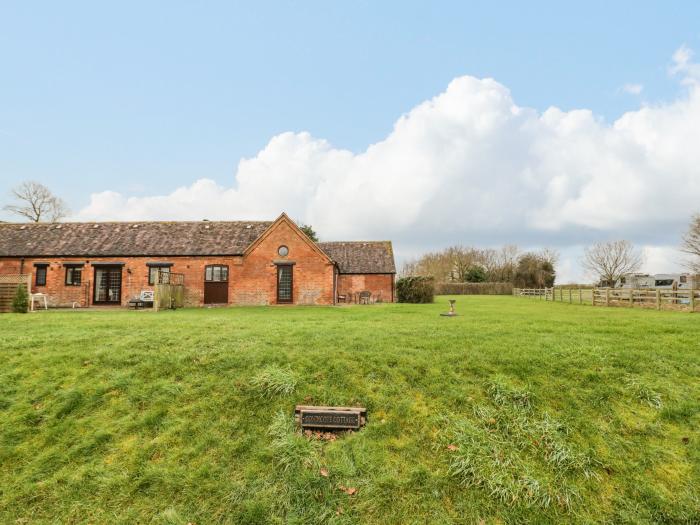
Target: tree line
{"x": 608, "y": 261}
{"x": 508, "y": 264}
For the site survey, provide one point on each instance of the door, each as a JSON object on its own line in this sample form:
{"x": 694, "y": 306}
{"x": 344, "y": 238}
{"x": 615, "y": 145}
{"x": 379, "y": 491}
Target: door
{"x": 108, "y": 285}
{"x": 285, "y": 283}
{"x": 216, "y": 284}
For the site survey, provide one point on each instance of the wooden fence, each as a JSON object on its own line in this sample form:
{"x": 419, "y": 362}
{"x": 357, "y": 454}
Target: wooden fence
{"x": 8, "y": 289}
{"x": 169, "y": 291}
{"x": 661, "y": 299}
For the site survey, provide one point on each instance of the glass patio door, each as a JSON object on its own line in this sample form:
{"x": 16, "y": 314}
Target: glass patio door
{"x": 108, "y": 285}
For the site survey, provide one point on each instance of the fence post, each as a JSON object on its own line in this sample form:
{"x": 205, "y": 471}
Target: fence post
{"x": 607, "y": 297}
{"x": 631, "y": 297}
{"x": 580, "y": 296}
{"x": 156, "y": 298}
{"x": 570, "y": 300}
{"x": 658, "y": 299}
{"x": 692, "y": 299}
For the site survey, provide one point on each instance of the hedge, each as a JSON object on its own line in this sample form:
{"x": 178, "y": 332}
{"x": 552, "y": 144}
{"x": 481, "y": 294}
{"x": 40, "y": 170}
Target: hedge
{"x": 474, "y": 288}
{"x": 417, "y": 289}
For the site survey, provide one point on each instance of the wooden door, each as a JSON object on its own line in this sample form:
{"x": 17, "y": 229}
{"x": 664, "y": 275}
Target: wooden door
{"x": 216, "y": 284}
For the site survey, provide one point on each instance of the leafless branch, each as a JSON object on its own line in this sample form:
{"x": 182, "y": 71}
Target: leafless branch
{"x": 36, "y": 203}
{"x": 611, "y": 260}
{"x": 691, "y": 244}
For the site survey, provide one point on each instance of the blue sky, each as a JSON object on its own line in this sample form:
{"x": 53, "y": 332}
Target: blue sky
{"x": 145, "y": 97}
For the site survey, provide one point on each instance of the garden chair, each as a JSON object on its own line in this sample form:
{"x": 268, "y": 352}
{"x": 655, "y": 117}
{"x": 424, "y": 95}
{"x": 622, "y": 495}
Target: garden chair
{"x": 365, "y": 297}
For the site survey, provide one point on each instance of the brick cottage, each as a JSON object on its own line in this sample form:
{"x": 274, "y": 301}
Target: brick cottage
{"x": 239, "y": 263}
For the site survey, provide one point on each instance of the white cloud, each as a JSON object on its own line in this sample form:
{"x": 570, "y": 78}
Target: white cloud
{"x": 632, "y": 89}
{"x": 469, "y": 166}
{"x": 683, "y": 65}
{"x": 662, "y": 259}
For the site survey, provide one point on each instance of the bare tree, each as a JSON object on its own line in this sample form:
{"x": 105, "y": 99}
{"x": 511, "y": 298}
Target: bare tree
{"x": 461, "y": 260}
{"x": 434, "y": 264}
{"x": 691, "y": 244}
{"x": 549, "y": 255}
{"x": 611, "y": 260}
{"x": 37, "y": 203}
{"x": 501, "y": 264}
{"x": 409, "y": 268}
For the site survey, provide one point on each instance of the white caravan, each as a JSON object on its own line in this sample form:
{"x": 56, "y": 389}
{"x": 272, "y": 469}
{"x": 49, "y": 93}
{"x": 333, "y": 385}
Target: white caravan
{"x": 678, "y": 281}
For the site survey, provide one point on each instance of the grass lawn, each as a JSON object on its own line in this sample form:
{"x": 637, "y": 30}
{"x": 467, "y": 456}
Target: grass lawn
{"x": 516, "y": 410}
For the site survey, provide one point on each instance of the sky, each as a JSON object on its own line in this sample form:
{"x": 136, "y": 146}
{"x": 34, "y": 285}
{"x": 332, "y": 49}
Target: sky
{"x": 427, "y": 123}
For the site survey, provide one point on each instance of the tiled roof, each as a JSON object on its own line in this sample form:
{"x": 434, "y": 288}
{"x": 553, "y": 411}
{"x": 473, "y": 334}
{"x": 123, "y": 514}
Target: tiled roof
{"x": 128, "y": 238}
{"x": 361, "y": 256}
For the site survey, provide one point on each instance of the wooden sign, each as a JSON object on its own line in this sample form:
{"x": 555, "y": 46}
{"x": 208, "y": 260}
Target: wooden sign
{"x": 339, "y": 418}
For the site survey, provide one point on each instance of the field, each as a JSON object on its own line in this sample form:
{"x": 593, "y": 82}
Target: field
{"x": 517, "y": 410}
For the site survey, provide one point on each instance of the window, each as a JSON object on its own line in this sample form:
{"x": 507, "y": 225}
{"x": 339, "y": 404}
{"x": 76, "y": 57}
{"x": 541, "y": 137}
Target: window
{"x": 684, "y": 279}
{"x": 153, "y": 274}
{"x": 40, "y": 279}
{"x": 663, "y": 282}
{"x": 216, "y": 273}
{"x": 74, "y": 275}
{"x": 285, "y": 283}
{"x": 283, "y": 251}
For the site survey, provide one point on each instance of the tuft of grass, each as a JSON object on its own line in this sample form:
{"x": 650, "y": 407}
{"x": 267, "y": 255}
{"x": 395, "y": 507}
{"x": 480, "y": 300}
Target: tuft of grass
{"x": 274, "y": 381}
{"x": 517, "y": 457}
{"x": 291, "y": 450}
{"x": 70, "y": 401}
{"x": 643, "y": 393}
{"x": 681, "y": 412}
{"x": 501, "y": 394}
{"x": 550, "y": 435}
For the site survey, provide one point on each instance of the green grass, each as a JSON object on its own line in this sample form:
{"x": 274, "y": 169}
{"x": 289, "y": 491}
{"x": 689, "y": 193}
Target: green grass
{"x": 517, "y": 410}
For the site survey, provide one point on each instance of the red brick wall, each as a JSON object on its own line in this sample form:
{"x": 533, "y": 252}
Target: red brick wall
{"x": 134, "y": 276}
{"x": 256, "y": 277}
{"x": 381, "y": 285}
{"x": 252, "y": 278}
